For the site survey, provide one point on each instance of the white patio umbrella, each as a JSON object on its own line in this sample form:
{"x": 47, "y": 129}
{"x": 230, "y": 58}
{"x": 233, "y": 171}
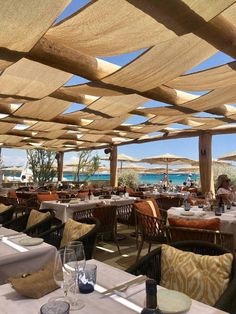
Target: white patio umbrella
{"x": 122, "y": 158}
{"x": 194, "y": 169}
{"x": 156, "y": 170}
{"x": 230, "y": 156}
{"x": 17, "y": 169}
{"x": 167, "y": 159}
{"x": 135, "y": 167}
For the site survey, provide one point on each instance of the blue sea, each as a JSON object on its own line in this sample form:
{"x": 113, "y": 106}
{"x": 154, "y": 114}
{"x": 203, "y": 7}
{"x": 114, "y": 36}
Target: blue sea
{"x": 147, "y": 178}
{"x": 143, "y": 178}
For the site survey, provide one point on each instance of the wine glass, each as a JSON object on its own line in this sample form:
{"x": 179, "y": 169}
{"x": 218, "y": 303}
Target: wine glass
{"x": 74, "y": 262}
{"x": 78, "y": 248}
{"x": 57, "y": 270}
{"x": 65, "y": 266}
{"x": 70, "y": 267}
{"x": 65, "y": 275}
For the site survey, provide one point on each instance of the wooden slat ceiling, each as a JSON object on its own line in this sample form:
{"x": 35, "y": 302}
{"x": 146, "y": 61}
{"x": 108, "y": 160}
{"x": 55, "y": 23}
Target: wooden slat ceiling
{"x": 38, "y": 57}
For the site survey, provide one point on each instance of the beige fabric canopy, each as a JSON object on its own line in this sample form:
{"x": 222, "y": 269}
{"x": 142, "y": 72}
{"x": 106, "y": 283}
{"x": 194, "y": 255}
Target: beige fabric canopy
{"x": 39, "y": 57}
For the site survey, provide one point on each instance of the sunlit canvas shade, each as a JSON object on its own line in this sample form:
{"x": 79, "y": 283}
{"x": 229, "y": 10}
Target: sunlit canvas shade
{"x": 172, "y": 36}
{"x": 230, "y": 156}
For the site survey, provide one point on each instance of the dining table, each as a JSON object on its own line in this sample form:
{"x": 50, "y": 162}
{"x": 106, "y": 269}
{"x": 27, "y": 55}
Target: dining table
{"x": 227, "y": 219}
{"x": 156, "y": 194}
{"x": 65, "y": 210}
{"x": 16, "y": 258}
{"x": 132, "y": 301}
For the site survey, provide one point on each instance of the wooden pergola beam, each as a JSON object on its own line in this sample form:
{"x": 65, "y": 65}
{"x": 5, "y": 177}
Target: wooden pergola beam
{"x": 60, "y": 161}
{"x": 205, "y": 163}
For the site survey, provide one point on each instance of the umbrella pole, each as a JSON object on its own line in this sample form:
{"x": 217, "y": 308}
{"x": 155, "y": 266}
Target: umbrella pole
{"x": 167, "y": 175}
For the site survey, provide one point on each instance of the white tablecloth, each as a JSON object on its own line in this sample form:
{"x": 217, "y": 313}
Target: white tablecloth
{"x": 107, "y": 277}
{"x": 227, "y": 219}
{"x": 64, "y": 211}
{"x": 170, "y": 194}
{"x": 16, "y": 259}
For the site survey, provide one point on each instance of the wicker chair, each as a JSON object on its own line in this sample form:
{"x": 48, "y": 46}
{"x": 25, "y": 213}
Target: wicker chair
{"x": 125, "y": 214}
{"x": 176, "y": 234}
{"x": 108, "y": 228}
{"x": 152, "y": 230}
{"x": 19, "y": 224}
{"x": 54, "y": 236}
{"x": 6, "y": 215}
{"x": 85, "y": 213}
{"x": 150, "y": 265}
{"x": 166, "y": 202}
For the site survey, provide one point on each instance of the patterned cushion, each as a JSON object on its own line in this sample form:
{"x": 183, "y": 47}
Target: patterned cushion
{"x": 209, "y": 224}
{"x": 74, "y": 230}
{"x": 3, "y": 208}
{"x": 35, "y": 217}
{"x": 148, "y": 207}
{"x": 202, "y": 277}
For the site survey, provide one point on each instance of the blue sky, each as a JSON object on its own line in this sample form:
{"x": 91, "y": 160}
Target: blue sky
{"x": 222, "y": 144}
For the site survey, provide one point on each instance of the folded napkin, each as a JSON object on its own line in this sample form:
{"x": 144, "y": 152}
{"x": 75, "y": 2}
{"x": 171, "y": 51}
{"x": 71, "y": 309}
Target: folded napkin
{"x": 37, "y": 284}
{"x": 131, "y": 290}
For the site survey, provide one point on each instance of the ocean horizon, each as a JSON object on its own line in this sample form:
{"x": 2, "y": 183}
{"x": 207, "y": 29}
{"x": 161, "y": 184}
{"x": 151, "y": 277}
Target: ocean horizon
{"x": 144, "y": 178}
{"x": 148, "y": 178}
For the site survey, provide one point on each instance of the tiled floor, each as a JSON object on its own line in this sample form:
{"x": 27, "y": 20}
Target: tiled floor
{"x": 107, "y": 252}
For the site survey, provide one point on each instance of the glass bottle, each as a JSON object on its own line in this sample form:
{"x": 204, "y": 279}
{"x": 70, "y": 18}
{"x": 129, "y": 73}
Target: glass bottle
{"x": 151, "y": 298}
{"x": 219, "y": 208}
{"x": 222, "y": 205}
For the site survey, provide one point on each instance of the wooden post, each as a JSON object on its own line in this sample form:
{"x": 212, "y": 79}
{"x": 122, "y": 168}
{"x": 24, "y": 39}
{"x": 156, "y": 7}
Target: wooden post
{"x": 205, "y": 163}
{"x": 1, "y": 172}
{"x": 113, "y": 166}
{"x": 60, "y": 158}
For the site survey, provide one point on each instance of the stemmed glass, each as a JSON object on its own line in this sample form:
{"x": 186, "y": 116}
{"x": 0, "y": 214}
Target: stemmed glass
{"x": 78, "y": 248}
{"x": 65, "y": 270}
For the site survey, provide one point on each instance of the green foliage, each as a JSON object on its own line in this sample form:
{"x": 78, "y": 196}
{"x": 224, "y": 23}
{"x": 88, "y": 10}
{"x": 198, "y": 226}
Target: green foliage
{"x": 87, "y": 165}
{"x": 128, "y": 178}
{"x": 41, "y": 163}
{"x": 224, "y": 169}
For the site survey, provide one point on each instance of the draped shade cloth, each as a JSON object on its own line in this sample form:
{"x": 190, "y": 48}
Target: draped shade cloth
{"x": 39, "y": 107}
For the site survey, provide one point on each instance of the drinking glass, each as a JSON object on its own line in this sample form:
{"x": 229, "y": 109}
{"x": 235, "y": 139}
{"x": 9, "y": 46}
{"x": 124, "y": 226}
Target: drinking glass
{"x": 74, "y": 263}
{"x": 65, "y": 275}
{"x": 78, "y": 248}
{"x": 57, "y": 270}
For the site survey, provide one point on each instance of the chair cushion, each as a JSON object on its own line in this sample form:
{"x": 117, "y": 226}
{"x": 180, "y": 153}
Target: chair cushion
{"x": 202, "y": 277}
{"x": 47, "y": 197}
{"x": 4, "y": 207}
{"x": 35, "y": 217}
{"x": 74, "y": 230}
{"x": 148, "y": 207}
{"x": 209, "y": 224}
